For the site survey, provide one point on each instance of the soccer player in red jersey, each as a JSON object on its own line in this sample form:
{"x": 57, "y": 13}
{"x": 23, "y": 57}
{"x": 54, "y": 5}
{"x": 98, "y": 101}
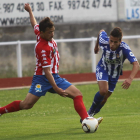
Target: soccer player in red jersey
{"x": 46, "y": 78}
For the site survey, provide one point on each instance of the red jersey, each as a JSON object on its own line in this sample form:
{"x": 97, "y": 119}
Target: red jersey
{"x": 46, "y": 53}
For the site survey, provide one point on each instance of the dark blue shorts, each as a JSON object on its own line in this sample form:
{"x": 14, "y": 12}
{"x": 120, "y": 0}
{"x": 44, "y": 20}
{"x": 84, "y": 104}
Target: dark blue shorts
{"x": 102, "y": 75}
{"x": 40, "y": 84}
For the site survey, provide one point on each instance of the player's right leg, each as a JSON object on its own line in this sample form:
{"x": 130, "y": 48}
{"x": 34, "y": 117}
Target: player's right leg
{"x": 12, "y": 107}
{"x": 29, "y": 101}
{"x": 102, "y": 78}
{"x": 17, "y": 105}
{"x": 98, "y": 98}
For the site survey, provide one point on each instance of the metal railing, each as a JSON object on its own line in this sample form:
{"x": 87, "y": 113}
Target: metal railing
{"x": 92, "y": 41}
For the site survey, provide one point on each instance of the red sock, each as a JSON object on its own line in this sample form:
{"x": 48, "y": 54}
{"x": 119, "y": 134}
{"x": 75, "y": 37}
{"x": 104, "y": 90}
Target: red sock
{"x": 80, "y": 107}
{"x": 12, "y": 107}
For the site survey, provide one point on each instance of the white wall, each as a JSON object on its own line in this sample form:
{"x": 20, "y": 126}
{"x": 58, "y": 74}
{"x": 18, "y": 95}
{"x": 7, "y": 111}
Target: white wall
{"x": 12, "y": 13}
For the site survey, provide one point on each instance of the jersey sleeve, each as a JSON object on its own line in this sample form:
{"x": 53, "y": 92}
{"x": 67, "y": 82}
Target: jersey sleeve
{"x": 37, "y": 32}
{"x": 36, "y": 29}
{"x": 103, "y": 38}
{"x": 128, "y": 54}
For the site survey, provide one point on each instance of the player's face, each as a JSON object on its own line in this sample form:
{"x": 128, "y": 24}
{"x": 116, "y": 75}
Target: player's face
{"x": 114, "y": 43}
{"x": 48, "y": 34}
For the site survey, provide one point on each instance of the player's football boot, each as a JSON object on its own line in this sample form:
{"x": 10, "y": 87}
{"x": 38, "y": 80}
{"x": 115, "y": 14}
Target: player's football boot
{"x": 99, "y": 120}
{"x": 91, "y": 113}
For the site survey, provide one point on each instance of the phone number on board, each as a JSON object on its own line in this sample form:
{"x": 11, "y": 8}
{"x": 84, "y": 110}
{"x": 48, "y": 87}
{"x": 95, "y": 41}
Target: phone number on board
{"x": 56, "y": 5}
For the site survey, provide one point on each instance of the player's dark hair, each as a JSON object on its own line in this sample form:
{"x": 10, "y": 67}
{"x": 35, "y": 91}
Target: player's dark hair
{"x": 117, "y": 32}
{"x": 45, "y": 23}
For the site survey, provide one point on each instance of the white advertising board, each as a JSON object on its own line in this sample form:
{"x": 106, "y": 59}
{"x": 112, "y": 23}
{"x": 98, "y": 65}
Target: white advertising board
{"x": 12, "y": 13}
{"x": 132, "y": 10}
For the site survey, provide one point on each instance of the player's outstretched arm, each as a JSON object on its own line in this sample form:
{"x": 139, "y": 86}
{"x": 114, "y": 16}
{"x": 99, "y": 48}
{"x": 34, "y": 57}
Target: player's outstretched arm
{"x": 134, "y": 71}
{"x": 29, "y": 10}
{"x": 96, "y": 49}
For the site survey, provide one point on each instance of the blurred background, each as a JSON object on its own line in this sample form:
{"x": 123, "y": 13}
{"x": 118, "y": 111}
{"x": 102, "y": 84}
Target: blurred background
{"x": 72, "y": 19}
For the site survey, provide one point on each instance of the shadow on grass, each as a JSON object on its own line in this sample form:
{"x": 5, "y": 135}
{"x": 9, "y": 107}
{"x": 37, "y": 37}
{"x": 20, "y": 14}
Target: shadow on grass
{"x": 68, "y": 134}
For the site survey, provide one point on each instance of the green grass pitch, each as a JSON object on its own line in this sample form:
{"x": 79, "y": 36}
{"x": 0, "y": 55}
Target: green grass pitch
{"x": 54, "y": 118}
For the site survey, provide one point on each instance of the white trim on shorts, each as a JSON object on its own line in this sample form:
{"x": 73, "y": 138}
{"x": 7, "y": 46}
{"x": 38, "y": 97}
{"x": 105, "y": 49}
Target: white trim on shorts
{"x": 102, "y": 80}
{"x": 111, "y": 91}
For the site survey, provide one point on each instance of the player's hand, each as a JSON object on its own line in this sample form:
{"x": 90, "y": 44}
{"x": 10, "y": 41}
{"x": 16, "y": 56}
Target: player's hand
{"x": 96, "y": 50}
{"x": 61, "y": 92}
{"x": 126, "y": 84}
{"x": 27, "y": 7}
{"x": 101, "y": 31}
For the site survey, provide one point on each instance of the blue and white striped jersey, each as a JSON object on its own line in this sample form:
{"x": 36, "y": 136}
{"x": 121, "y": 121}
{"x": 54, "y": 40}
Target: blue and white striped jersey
{"x": 112, "y": 61}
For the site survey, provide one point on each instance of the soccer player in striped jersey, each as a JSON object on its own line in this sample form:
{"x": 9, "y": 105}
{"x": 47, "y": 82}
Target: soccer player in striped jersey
{"x": 46, "y": 78}
{"x": 109, "y": 68}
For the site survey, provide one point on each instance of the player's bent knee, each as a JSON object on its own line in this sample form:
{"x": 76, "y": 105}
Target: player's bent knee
{"x": 27, "y": 106}
{"x": 103, "y": 92}
{"x": 78, "y": 93}
{"x": 73, "y": 92}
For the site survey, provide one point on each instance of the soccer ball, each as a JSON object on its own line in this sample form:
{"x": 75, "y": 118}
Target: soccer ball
{"x": 89, "y": 125}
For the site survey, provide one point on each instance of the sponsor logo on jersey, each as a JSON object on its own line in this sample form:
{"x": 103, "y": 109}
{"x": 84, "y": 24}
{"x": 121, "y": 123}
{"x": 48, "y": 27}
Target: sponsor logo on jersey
{"x": 38, "y": 88}
{"x": 117, "y": 55}
{"x": 54, "y": 50}
{"x": 113, "y": 61}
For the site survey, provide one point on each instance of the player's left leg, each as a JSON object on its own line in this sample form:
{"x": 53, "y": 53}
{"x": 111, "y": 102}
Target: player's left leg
{"x": 102, "y": 78}
{"x": 77, "y": 97}
{"x": 74, "y": 94}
